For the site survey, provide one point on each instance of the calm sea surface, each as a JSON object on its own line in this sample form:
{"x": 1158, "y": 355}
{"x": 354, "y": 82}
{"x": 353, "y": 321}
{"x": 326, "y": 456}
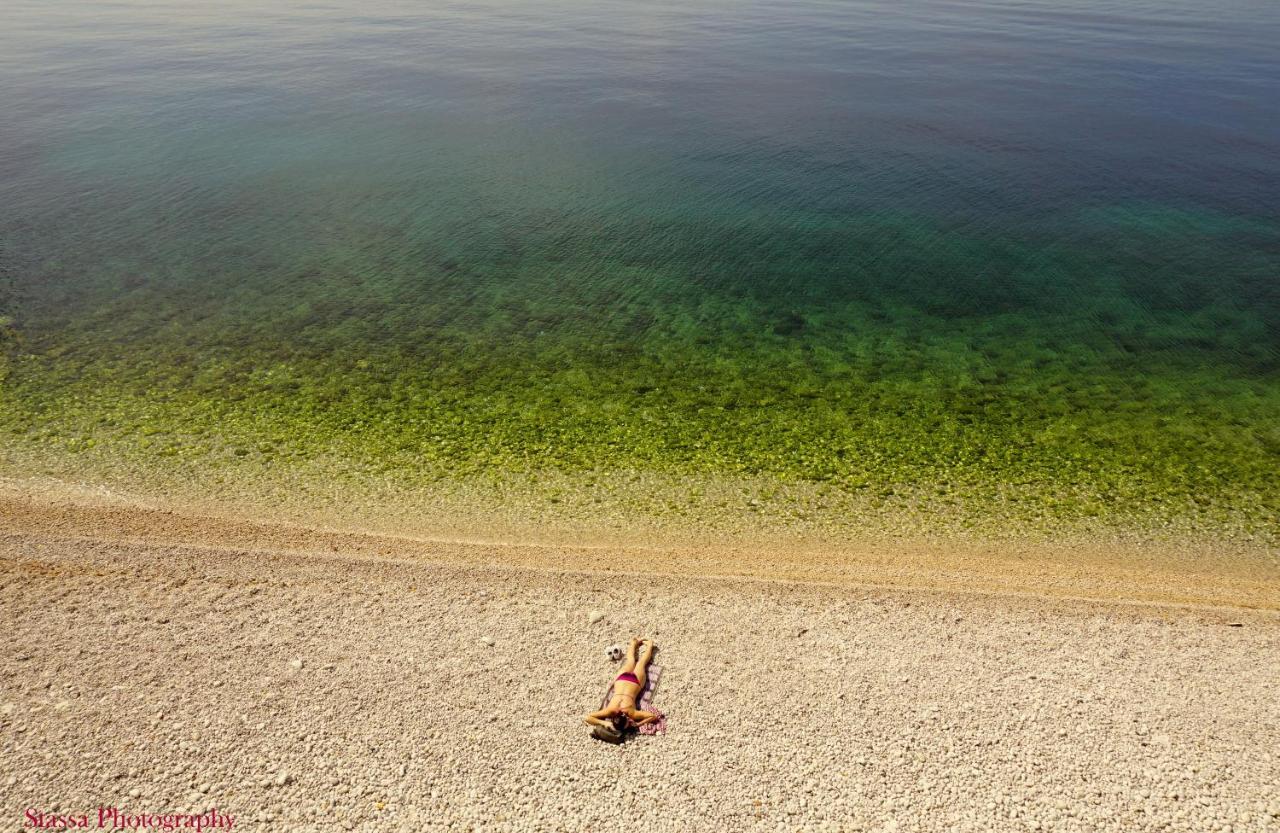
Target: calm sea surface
{"x": 876, "y": 244}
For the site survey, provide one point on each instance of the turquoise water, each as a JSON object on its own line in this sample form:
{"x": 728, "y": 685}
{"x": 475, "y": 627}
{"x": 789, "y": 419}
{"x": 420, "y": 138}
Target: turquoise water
{"x": 1027, "y": 248}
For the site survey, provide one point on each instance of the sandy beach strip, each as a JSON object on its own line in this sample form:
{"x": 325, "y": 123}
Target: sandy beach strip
{"x": 323, "y": 689}
{"x": 1195, "y": 571}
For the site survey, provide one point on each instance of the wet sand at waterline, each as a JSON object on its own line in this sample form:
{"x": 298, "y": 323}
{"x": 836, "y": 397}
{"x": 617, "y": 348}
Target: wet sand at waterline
{"x": 300, "y": 679}
{"x": 480, "y": 528}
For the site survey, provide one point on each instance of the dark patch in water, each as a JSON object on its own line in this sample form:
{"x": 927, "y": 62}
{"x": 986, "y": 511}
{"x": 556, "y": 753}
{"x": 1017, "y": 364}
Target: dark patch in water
{"x": 790, "y": 324}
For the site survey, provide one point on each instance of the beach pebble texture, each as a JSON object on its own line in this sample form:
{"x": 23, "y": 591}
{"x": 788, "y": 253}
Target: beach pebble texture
{"x": 319, "y": 692}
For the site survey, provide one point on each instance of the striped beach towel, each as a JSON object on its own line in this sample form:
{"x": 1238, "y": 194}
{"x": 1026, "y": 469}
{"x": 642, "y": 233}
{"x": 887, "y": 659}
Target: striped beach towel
{"x": 645, "y": 702}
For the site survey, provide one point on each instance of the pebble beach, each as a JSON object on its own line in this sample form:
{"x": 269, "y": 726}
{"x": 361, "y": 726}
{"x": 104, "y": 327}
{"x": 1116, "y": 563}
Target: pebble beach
{"x": 312, "y": 690}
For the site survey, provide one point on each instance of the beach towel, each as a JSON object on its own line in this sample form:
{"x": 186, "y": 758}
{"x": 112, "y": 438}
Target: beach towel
{"x": 645, "y": 702}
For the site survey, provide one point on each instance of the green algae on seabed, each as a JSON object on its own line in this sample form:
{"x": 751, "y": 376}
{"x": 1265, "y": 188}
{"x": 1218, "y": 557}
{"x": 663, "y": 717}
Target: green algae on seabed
{"x": 1043, "y": 382}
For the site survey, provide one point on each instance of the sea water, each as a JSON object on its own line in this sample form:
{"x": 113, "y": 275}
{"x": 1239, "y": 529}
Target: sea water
{"x": 1017, "y": 246}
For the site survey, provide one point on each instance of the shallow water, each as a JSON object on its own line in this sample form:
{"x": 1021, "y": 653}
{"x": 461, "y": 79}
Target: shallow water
{"x": 1031, "y": 244}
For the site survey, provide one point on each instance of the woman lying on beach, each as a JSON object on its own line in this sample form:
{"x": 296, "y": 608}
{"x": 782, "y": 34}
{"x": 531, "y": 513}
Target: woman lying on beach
{"x": 620, "y": 713}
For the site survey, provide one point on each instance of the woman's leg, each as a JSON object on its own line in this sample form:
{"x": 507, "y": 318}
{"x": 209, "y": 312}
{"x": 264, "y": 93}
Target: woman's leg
{"x": 630, "y": 663}
{"x": 642, "y": 663}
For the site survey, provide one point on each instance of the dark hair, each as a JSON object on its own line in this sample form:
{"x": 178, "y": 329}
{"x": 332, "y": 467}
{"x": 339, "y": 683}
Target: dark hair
{"x": 612, "y": 732}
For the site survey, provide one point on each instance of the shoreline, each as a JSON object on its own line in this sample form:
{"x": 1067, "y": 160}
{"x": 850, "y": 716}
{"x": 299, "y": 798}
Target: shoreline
{"x": 1189, "y": 573}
